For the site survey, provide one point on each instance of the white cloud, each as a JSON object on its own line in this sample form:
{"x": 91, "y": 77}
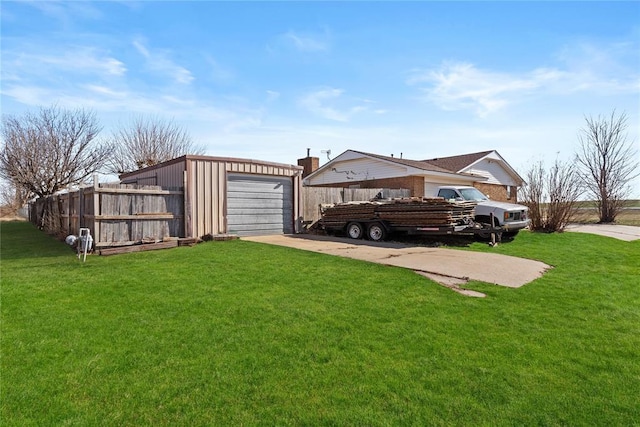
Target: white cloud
{"x": 218, "y": 72}
{"x": 306, "y": 43}
{"x": 272, "y": 95}
{"x": 74, "y": 59}
{"x": 457, "y": 86}
{"x": 29, "y": 94}
{"x": 66, "y": 11}
{"x": 159, "y": 61}
{"x": 105, "y": 91}
{"x": 323, "y": 102}
{"x": 583, "y": 67}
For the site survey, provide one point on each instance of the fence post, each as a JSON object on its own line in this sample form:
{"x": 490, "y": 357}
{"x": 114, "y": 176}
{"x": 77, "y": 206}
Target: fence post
{"x": 69, "y": 210}
{"x": 96, "y": 209}
{"x": 186, "y": 209}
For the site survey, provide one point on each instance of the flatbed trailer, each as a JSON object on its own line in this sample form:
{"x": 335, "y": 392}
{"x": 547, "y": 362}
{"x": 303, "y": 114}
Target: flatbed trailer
{"x": 376, "y": 220}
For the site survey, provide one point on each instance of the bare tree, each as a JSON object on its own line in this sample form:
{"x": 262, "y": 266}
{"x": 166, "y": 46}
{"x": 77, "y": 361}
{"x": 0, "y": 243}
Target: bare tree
{"x": 551, "y": 195}
{"x": 12, "y": 199}
{"x": 147, "y": 142}
{"x": 608, "y": 163}
{"x": 46, "y": 151}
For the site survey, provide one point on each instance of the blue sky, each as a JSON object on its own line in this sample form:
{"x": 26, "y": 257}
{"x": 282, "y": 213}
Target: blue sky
{"x": 267, "y": 80}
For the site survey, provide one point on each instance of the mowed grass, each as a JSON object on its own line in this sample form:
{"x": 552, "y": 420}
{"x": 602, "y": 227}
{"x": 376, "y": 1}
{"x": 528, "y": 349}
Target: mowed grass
{"x": 240, "y": 333}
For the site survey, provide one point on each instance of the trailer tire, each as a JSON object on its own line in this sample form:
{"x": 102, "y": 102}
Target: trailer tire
{"x": 355, "y": 230}
{"x": 376, "y": 232}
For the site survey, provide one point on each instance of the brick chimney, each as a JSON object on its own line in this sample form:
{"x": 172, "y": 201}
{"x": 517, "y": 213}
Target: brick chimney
{"x": 310, "y": 164}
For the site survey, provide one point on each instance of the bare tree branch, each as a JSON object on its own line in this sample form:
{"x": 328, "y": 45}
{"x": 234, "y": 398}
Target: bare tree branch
{"x": 147, "y": 142}
{"x": 551, "y": 195}
{"x": 46, "y": 151}
{"x": 608, "y": 163}
{"x": 12, "y": 199}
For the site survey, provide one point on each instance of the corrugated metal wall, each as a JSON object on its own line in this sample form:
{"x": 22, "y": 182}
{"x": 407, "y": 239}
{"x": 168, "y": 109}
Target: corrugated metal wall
{"x": 259, "y": 204}
{"x": 206, "y": 195}
{"x": 168, "y": 174}
{"x": 205, "y": 182}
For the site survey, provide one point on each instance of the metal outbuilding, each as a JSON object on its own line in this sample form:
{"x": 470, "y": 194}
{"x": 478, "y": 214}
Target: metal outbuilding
{"x": 229, "y": 195}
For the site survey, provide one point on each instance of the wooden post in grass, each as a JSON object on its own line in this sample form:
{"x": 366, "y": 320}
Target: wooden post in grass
{"x": 493, "y": 234}
{"x": 96, "y": 209}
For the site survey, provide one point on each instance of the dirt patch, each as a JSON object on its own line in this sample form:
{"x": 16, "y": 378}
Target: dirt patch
{"x": 12, "y": 218}
{"x": 452, "y": 283}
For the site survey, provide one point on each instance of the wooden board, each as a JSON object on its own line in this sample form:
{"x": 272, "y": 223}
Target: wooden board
{"x": 138, "y": 248}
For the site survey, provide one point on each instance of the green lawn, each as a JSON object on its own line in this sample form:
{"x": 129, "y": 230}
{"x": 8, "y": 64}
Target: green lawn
{"x": 240, "y": 333}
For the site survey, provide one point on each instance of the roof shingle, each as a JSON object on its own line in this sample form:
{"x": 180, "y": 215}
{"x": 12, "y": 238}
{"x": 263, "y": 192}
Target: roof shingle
{"x": 413, "y": 163}
{"x": 457, "y": 163}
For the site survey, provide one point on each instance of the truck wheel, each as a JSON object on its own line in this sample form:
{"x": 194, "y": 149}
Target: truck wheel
{"x": 376, "y": 232}
{"x": 354, "y": 230}
{"x": 485, "y": 219}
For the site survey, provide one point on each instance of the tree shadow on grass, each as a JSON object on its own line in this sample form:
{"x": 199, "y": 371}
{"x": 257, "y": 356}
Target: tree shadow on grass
{"x": 22, "y": 240}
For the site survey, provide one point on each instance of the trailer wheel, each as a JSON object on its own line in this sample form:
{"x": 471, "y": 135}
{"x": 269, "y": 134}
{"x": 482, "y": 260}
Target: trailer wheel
{"x": 376, "y": 232}
{"x": 355, "y": 230}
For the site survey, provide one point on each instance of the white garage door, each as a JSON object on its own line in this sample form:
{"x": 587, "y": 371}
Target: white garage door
{"x": 259, "y": 205}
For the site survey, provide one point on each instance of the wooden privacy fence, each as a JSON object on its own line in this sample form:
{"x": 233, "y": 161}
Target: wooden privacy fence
{"x": 313, "y": 197}
{"x": 126, "y": 214}
{"x": 116, "y": 214}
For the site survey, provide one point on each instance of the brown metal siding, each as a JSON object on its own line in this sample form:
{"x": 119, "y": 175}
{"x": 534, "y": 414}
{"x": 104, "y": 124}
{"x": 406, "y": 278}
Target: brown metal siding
{"x": 169, "y": 175}
{"x": 205, "y": 182}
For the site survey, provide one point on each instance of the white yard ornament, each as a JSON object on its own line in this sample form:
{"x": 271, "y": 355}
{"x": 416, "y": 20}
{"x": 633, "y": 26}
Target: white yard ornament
{"x": 84, "y": 242}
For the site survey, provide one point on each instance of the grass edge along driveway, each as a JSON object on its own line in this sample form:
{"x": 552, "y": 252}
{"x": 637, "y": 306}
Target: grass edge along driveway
{"x": 228, "y": 333}
{"x": 487, "y": 267}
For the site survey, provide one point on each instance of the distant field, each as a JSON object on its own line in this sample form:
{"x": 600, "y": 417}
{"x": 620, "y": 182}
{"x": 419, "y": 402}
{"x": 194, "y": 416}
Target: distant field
{"x": 629, "y": 216}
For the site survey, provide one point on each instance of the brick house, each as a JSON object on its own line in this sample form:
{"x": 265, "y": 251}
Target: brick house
{"x": 486, "y": 170}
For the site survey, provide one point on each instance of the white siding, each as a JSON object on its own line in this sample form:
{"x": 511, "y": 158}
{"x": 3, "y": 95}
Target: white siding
{"x": 493, "y": 171}
{"x": 361, "y": 169}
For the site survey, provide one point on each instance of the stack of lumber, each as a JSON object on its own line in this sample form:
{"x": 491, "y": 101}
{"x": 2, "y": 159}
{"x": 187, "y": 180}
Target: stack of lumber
{"x": 435, "y": 212}
{"x": 405, "y": 212}
{"x": 339, "y": 214}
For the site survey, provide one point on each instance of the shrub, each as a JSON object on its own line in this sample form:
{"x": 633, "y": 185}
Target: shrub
{"x": 551, "y": 195}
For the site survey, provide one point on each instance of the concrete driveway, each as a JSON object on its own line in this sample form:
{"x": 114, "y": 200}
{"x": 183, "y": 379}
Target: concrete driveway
{"x": 436, "y": 263}
{"x": 621, "y": 232}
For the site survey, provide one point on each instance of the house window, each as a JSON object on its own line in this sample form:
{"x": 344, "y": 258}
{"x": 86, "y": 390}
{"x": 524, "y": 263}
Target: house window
{"x": 508, "y": 192}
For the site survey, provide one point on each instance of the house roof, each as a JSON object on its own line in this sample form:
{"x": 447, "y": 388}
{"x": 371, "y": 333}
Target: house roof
{"x": 418, "y": 167}
{"x": 465, "y": 161}
{"x": 458, "y": 163}
{"x": 418, "y": 164}
{"x": 208, "y": 158}
{"x": 461, "y": 165}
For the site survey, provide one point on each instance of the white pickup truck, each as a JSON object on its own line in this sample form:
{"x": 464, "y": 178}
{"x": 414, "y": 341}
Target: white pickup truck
{"x": 509, "y": 216}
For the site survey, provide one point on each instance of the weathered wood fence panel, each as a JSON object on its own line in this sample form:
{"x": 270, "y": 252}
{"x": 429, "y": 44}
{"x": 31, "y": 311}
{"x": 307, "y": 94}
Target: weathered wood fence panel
{"x": 132, "y": 213}
{"x": 116, "y": 214}
{"x": 313, "y": 197}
